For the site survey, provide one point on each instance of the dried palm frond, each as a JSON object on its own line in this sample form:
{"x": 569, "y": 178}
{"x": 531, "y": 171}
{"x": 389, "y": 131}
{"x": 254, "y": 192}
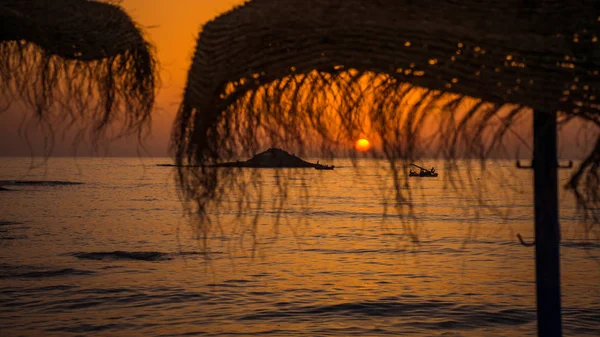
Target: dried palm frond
{"x": 77, "y": 62}
{"x": 426, "y": 74}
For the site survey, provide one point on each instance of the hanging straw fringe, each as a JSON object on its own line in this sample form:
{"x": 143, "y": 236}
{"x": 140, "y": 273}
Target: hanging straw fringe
{"x": 307, "y": 73}
{"x": 77, "y": 62}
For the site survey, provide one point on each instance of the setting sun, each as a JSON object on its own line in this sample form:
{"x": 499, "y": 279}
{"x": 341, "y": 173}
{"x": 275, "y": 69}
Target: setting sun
{"x": 362, "y": 145}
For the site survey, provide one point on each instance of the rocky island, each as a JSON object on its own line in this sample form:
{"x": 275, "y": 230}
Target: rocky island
{"x": 272, "y": 158}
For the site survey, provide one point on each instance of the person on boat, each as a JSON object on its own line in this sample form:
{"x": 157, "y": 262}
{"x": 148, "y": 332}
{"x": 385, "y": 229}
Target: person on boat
{"x": 432, "y": 169}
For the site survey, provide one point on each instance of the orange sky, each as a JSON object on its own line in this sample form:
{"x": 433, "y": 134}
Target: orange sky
{"x": 172, "y": 26}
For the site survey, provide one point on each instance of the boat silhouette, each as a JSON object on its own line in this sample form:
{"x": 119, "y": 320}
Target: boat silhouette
{"x": 423, "y": 173}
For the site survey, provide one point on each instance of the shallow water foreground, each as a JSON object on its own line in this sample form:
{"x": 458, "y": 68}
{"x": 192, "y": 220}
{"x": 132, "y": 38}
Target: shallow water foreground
{"x": 115, "y": 256}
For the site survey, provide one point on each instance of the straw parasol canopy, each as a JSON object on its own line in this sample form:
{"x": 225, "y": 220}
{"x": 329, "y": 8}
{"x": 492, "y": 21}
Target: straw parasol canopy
{"x": 268, "y": 69}
{"x": 76, "y": 62}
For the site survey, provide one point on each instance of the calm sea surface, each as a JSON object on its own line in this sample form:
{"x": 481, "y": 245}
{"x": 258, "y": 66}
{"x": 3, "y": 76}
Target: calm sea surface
{"x": 115, "y": 256}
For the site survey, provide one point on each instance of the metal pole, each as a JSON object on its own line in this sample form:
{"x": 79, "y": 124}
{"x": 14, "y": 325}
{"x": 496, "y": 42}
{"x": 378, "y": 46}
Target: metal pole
{"x": 547, "y": 230}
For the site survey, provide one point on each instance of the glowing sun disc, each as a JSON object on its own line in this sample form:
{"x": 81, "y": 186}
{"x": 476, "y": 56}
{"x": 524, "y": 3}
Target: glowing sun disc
{"x": 362, "y": 145}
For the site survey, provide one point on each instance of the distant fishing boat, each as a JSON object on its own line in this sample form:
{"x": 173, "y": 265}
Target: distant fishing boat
{"x": 423, "y": 173}
{"x": 324, "y": 167}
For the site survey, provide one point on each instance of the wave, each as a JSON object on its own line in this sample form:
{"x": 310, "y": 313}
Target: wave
{"x": 8, "y": 227}
{"x": 355, "y": 251}
{"x": 138, "y": 256}
{"x": 427, "y": 315}
{"x": 38, "y": 183}
{"x": 146, "y": 199}
{"x": 88, "y": 328}
{"x": 10, "y": 223}
{"x": 122, "y": 255}
{"x": 54, "y": 273}
{"x": 26, "y": 271}
{"x": 581, "y": 244}
{"x": 10, "y": 238}
{"x": 199, "y": 253}
{"x": 582, "y": 322}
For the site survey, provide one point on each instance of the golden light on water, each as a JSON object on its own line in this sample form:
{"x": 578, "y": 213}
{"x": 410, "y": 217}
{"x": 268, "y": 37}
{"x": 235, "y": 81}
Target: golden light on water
{"x": 362, "y": 145}
{"x": 333, "y": 256}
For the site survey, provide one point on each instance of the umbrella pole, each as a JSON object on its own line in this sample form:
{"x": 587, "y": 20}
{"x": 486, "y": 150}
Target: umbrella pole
{"x": 547, "y": 230}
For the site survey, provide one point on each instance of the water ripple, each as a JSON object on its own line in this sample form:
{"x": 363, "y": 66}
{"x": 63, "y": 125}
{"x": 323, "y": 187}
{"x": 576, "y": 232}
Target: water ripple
{"x": 137, "y": 256}
{"x": 10, "y": 223}
{"x": 354, "y": 251}
{"x": 432, "y": 315}
{"x": 37, "y": 183}
{"x": 54, "y": 273}
{"x": 581, "y": 244}
{"x": 123, "y": 255}
{"x": 83, "y": 328}
{"x": 8, "y": 271}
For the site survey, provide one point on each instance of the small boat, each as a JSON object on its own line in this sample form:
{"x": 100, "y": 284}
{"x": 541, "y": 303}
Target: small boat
{"x": 324, "y": 167}
{"x": 423, "y": 173}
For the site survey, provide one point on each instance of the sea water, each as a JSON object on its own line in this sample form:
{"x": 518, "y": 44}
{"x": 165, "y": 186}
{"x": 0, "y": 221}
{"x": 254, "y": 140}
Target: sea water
{"x": 104, "y": 247}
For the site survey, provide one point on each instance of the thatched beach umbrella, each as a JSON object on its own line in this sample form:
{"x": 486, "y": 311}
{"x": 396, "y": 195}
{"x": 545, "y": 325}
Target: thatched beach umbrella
{"x": 76, "y": 62}
{"x": 267, "y": 68}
